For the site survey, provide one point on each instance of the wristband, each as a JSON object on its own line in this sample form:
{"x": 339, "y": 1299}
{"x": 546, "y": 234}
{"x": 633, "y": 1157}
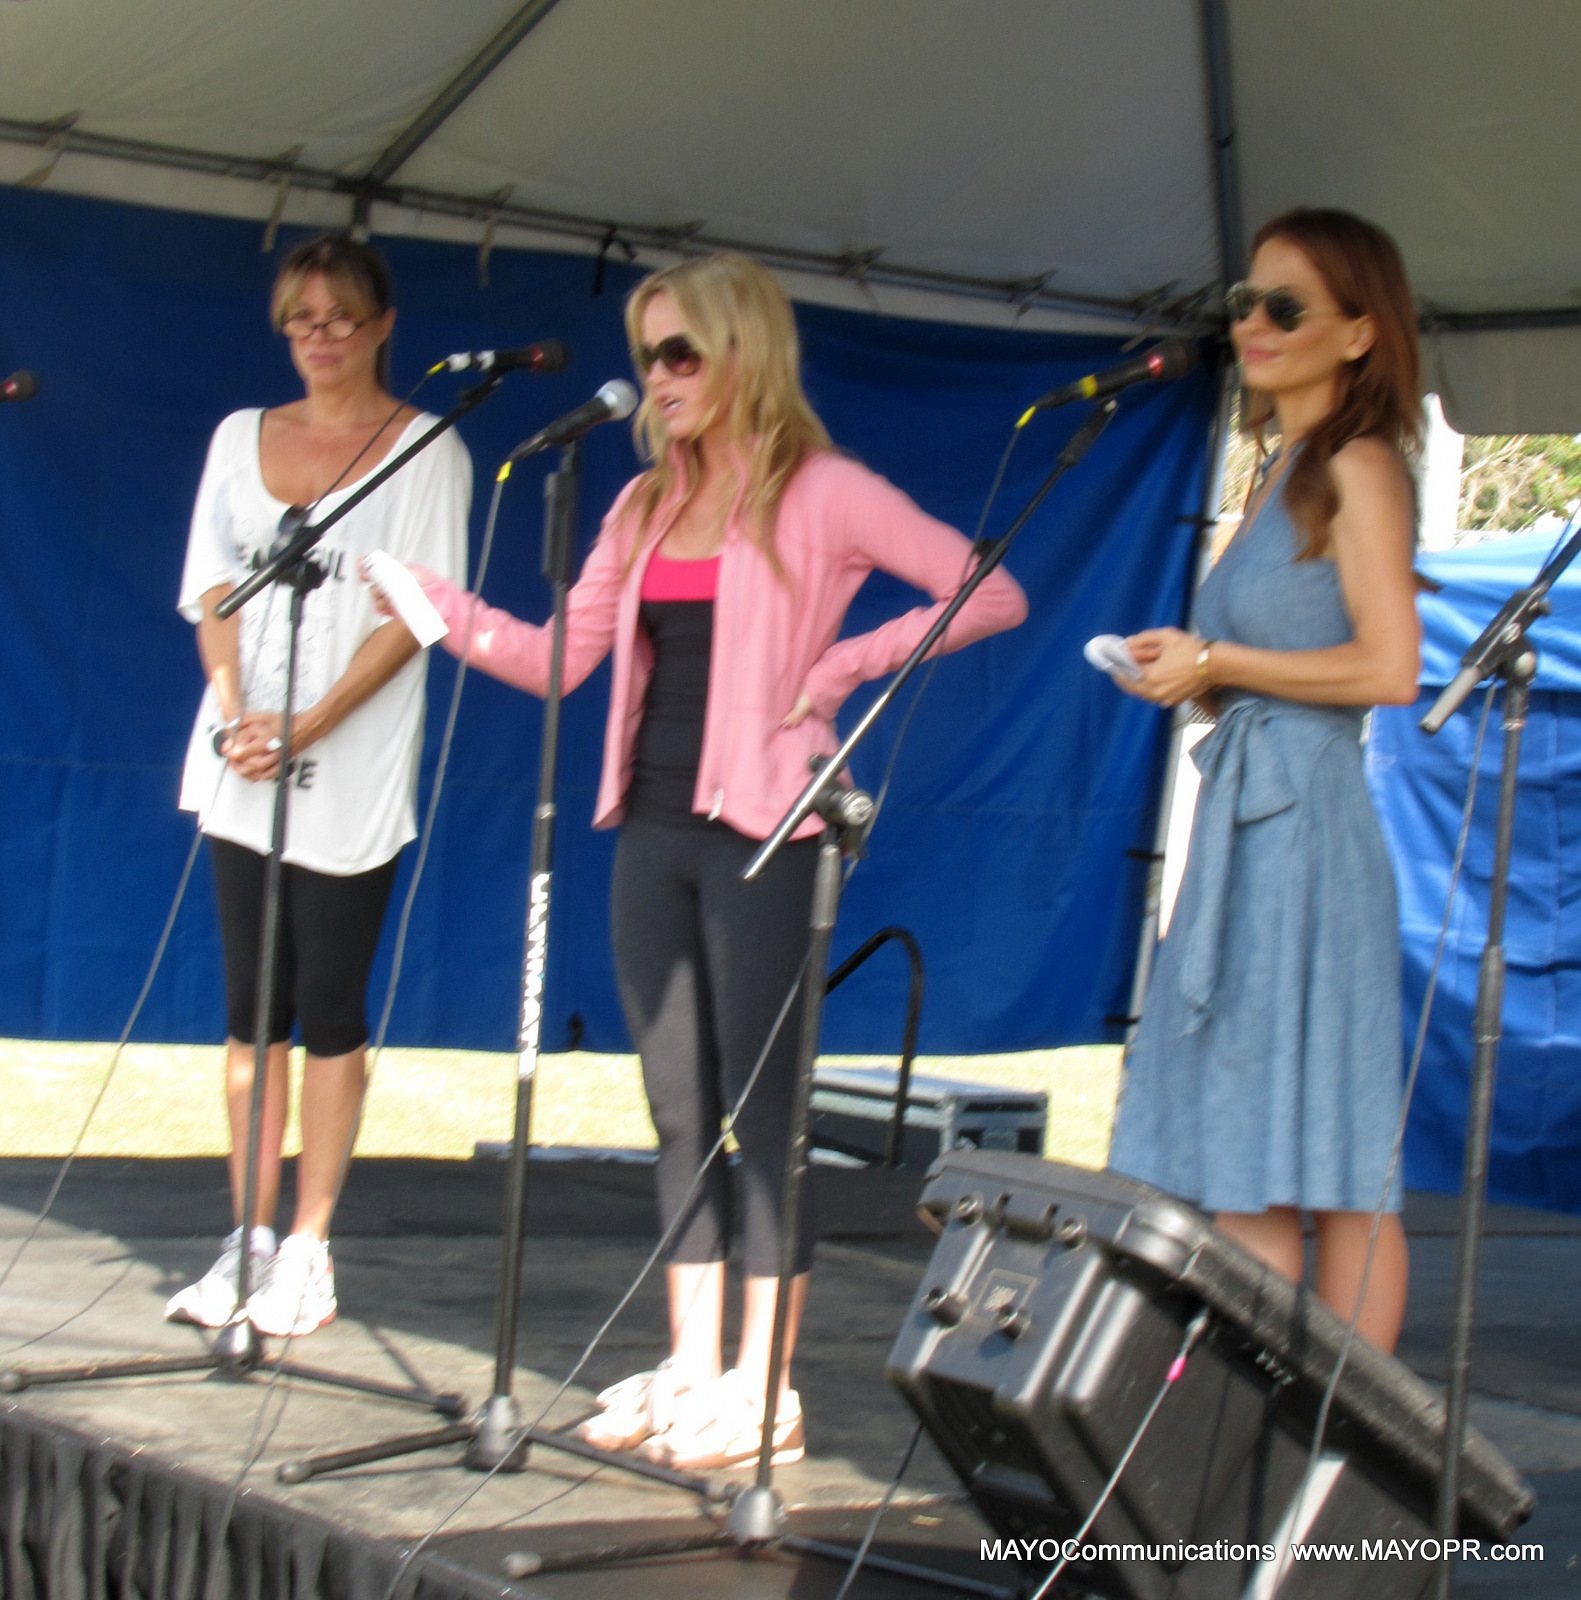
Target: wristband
{"x": 1202, "y": 662}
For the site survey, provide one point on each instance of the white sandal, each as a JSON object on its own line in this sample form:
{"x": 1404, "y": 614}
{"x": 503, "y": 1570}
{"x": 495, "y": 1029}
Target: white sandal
{"x": 721, "y": 1425}
{"x": 634, "y": 1409}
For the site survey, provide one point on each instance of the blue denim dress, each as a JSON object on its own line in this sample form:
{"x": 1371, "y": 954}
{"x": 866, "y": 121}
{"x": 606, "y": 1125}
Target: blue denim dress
{"x": 1266, "y": 1067}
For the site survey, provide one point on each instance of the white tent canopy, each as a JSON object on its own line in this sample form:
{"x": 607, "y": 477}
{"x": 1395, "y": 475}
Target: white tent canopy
{"x": 1010, "y": 160}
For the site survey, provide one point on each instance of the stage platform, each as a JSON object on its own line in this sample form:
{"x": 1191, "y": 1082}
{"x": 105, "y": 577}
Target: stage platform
{"x": 161, "y": 1464}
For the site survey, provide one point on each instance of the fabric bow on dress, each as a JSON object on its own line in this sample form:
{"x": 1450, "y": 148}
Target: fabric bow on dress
{"x": 1243, "y": 780}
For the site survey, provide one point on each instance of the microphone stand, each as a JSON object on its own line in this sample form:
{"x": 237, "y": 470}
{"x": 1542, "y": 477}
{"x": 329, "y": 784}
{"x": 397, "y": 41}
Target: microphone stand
{"x": 237, "y": 1351}
{"x": 758, "y": 1516}
{"x": 1502, "y": 650}
{"x": 993, "y": 552}
{"x": 499, "y": 1440}
{"x": 494, "y": 1437}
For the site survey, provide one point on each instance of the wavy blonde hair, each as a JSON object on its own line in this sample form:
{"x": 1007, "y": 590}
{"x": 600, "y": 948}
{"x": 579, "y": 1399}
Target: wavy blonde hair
{"x": 732, "y": 307}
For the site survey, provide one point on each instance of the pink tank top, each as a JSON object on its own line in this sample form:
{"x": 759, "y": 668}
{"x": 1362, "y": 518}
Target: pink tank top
{"x": 666, "y": 579}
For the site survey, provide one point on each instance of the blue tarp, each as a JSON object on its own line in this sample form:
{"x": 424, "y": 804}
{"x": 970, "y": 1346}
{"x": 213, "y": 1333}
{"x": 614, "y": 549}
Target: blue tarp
{"x": 1023, "y": 783}
{"x": 1419, "y": 785}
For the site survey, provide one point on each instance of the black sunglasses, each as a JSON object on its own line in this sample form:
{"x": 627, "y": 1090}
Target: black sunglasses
{"x": 677, "y": 354}
{"x": 1285, "y": 309}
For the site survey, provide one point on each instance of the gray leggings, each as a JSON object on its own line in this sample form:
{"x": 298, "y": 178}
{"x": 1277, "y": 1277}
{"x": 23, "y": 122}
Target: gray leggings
{"x": 704, "y": 963}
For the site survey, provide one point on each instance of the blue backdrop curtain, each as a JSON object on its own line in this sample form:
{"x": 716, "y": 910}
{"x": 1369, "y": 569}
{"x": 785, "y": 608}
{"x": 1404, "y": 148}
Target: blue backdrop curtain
{"x": 1024, "y": 780}
{"x": 1419, "y": 785}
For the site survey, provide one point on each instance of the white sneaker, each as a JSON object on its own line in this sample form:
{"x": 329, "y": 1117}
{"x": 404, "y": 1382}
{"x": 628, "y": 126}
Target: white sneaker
{"x": 297, "y": 1293}
{"x": 211, "y": 1301}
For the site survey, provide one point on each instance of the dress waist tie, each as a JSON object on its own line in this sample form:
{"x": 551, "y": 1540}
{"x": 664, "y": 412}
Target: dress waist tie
{"x": 1244, "y": 779}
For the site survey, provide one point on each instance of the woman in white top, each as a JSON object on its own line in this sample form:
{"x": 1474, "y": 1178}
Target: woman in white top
{"x": 356, "y": 737}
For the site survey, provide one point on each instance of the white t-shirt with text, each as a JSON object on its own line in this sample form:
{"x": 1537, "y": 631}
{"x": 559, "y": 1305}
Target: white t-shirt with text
{"x": 353, "y": 794}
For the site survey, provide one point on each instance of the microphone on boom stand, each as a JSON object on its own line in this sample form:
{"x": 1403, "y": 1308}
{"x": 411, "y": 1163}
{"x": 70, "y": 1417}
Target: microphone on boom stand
{"x": 1170, "y": 358}
{"x": 549, "y": 355}
{"x": 615, "y": 400}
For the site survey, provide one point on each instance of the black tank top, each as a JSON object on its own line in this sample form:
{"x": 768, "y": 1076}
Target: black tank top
{"x": 670, "y": 739}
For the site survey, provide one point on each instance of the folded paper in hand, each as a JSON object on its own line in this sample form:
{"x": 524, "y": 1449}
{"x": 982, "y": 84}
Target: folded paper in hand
{"x": 406, "y": 597}
{"x": 1110, "y": 653}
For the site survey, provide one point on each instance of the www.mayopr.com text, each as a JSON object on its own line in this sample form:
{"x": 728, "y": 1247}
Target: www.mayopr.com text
{"x": 1050, "y": 1550}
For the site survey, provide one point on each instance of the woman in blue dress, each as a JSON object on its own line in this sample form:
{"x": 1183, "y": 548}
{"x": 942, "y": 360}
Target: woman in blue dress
{"x": 1264, "y": 1079}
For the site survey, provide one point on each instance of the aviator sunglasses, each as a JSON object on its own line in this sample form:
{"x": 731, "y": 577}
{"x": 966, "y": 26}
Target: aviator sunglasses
{"x": 1283, "y": 306}
{"x": 676, "y": 354}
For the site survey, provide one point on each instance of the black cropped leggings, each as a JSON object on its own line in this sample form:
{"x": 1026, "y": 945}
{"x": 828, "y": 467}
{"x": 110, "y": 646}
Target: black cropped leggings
{"x": 329, "y": 932}
{"x": 704, "y": 963}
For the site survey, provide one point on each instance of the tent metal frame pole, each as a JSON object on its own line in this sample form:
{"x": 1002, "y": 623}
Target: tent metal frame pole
{"x": 1227, "y": 206}
{"x": 1217, "y": 457}
{"x": 455, "y": 94}
{"x": 1222, "y": 139}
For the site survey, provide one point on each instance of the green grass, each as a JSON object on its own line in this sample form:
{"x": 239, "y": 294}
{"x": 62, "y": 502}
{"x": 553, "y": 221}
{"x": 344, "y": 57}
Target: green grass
{"x": 165, "y": 1100}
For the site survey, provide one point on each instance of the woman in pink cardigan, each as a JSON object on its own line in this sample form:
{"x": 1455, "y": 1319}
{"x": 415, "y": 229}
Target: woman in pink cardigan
{"x": 720, "y": 579}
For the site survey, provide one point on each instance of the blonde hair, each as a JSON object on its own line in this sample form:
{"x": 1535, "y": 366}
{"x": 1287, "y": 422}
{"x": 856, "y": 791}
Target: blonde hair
{"x": 731, "y": 307}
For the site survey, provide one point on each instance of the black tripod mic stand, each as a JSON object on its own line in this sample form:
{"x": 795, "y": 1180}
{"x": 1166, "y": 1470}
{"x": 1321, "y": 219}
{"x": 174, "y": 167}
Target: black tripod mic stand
{"x": 237, "y": 1351}
{"x": 756, "y": 1519}
{"x": 758, "y": 1515}
{"x": 494, "y": 1436}
{"x": 1504, "y": 651}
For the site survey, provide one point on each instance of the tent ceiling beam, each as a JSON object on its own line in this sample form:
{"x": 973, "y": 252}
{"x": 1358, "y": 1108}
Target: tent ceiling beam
{"x": 1183, "y": 314}
{"x": 1436, "y": 320}
{"x": 449, "y": 99}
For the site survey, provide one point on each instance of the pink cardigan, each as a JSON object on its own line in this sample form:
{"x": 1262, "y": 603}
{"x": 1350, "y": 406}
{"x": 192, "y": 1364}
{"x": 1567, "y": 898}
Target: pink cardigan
{"x": 774, "y": 637}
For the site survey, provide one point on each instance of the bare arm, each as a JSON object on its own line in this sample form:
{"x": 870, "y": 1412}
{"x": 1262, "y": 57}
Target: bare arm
{"x": 1372, "y": 546}
{"x": 219, "y": 648}
{"x": 378, "y": 659}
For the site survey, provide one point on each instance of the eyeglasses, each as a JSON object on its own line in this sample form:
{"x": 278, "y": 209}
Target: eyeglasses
{"x": 1284, "y": 307}
{"x": 676, "y": 354}
{"x": 301, "y": 325}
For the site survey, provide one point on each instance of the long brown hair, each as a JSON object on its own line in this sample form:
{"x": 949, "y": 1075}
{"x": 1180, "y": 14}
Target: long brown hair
{"x": 731, "y": 306}
{"x": 357, "y": 273}
{"x": 1380, "y": 393}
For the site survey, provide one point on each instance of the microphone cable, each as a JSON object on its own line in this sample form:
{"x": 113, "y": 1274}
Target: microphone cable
{"x": 881, "y": 794}
{"x": 69, "y": 1159}
{"x": 252, "y": 1454}
{"x": 161, "y": 944}
{"x": 254, "y": 1448}
{"x": 1195, "y": 1329}
{"x": 1320, "y": 1426}
{"x": 656, "y": 1254}
{"x": 1199, "y": 1324}
{"x": 878, "y": 1514}
{"x": 653, "y": 1258}
{"x": 259, "y": 1439}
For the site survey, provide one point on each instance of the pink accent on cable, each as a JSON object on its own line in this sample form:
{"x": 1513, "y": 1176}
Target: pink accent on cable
{"x": 680, "y": 580}
{"x": 1176, "y": 1367}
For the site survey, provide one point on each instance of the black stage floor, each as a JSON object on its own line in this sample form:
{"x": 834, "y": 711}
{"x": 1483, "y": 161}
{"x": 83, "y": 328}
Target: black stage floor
{"x": 415, "y": 1251}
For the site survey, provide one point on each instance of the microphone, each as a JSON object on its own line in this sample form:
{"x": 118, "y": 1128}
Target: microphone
{"x": 548, "y": 356}
{"x": 19, "y": 386}
{"x": 615, "y": 400}
{"x": 1170, "y": 358}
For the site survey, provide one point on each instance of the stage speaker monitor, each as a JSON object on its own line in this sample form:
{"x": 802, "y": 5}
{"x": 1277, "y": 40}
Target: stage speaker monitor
{"x": 1047, "y": 1320}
